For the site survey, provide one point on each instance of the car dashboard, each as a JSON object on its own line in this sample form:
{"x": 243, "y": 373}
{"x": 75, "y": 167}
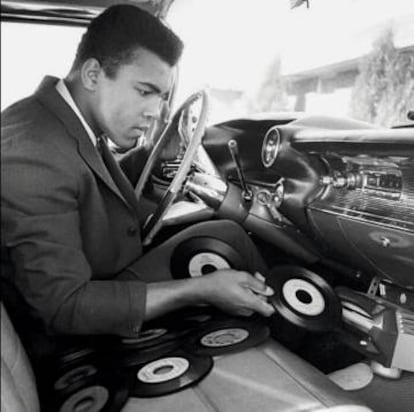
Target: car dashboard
{"x": 341, "y": 189}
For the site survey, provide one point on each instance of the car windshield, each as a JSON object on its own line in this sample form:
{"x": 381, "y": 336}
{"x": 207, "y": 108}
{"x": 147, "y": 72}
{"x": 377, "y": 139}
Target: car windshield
{"x": 336, "y": 57}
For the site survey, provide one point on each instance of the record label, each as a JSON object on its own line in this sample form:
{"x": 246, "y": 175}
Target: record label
{"x": 224, "y": 337}
{"x": 102, "y": 392}
{"x": 176, "y": 371}
{"x": 90, "y": 399}
{"x": 206, "y": 262}
{"x": 303, "y": 297}
{"x": 202, "y": 255}
{"x": 163, "y": 370}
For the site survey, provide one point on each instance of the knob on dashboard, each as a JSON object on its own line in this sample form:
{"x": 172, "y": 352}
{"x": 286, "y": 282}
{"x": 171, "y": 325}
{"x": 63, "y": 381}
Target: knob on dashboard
{"x": 339, "y": 180}
{"x": 352, "y": 180}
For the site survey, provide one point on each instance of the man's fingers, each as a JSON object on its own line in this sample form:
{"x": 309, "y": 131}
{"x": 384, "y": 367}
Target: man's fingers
{"x": 260, "y": 277}
{"x": 263, "y": 307}
{"x": 257, "y": 285}
{"x": 263, "y": 298}
{"x": 245, "y": 312}
{"x": 259, "y": 303}
{"x": 248, "y": 293}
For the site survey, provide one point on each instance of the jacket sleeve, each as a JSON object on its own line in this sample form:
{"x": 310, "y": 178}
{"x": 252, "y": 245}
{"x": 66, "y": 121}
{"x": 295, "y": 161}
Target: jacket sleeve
{"x": 41, "y": 228}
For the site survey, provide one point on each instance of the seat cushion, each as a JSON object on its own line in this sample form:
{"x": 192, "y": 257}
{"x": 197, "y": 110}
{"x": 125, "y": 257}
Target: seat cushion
{"x": 267, "y": 378}
{"x": 18, "y": 386}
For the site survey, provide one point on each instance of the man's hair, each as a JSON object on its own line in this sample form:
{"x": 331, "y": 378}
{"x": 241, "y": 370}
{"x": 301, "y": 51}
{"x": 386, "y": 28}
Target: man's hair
{"x": 114, "y": 36}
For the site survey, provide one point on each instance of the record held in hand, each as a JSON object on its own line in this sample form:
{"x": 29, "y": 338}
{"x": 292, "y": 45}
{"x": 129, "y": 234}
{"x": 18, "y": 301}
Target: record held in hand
{"x": 218, "y": 337}
{"x": 304, "y": 298}
{"x": 168, "y": 374}
{"x": 201, "y": 255}
{"x": 100, "y": 393}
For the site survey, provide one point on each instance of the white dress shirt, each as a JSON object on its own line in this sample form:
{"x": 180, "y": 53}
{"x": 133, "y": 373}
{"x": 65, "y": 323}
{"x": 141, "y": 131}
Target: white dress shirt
{"x": 64, "y": 92}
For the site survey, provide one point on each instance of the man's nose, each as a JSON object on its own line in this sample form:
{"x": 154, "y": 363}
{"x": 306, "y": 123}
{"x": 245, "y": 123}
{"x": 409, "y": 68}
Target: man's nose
{"x": 154, "y": 108}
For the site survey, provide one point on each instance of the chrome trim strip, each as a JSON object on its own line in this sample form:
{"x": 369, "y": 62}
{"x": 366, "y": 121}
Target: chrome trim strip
{"x": 356, "y": 215}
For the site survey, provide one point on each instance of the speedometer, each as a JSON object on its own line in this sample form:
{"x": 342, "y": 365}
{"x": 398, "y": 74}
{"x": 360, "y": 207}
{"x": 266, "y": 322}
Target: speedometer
{"x": 271, "y": 146}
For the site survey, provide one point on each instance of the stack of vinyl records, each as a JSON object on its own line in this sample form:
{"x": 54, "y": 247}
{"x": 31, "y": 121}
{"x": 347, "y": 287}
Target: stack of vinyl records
{"x": 169, "y": 355}
{"x": 80, "y": 382}
{"x": 179, "y": 351}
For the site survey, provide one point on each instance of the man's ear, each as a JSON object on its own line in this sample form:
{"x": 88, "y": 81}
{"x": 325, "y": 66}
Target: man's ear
{"x": 90, "y": 72}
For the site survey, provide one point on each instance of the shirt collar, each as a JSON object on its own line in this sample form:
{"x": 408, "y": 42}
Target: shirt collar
{"x": 64, "y": 92}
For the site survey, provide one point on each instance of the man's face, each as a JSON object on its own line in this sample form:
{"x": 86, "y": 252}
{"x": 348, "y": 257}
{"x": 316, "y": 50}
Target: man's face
{"x": 124, "y": 105}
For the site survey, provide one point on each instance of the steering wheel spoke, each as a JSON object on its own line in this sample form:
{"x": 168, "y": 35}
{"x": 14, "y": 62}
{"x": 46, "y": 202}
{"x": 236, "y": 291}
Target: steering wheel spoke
{"x": 185, "y": 211}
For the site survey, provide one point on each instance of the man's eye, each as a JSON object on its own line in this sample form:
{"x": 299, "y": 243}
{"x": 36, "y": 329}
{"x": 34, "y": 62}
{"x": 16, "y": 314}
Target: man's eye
{"x": 143, "y": 92}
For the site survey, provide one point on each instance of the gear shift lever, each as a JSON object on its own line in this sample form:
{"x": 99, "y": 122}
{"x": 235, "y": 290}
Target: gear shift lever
{"x": 234, "y": 151}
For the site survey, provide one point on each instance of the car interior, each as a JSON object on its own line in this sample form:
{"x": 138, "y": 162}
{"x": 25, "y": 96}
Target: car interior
{"x": 329, "y": 203}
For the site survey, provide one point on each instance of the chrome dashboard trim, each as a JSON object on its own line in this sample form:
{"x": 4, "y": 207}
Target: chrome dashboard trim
{"x": 367, "y": 218}
{"x": 270, "y": 147}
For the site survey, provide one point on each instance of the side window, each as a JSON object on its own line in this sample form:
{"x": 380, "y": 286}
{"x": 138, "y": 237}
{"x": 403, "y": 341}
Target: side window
{"x": 31, "y": 51}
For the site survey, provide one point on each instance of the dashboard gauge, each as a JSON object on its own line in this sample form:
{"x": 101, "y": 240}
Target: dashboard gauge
{"x": 271, "y": 146}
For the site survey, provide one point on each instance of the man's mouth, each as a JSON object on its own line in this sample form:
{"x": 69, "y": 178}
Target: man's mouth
{"x": 140, "y": 131}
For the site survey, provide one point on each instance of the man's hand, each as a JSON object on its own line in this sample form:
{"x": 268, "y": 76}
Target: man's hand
{"x": 236, "y": 292}
{"x": 232, "y": 291}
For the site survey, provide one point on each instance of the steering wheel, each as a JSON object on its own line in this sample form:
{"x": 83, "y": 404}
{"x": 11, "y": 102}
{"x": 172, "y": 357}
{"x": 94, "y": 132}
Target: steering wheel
{"x": 191, "y": 136}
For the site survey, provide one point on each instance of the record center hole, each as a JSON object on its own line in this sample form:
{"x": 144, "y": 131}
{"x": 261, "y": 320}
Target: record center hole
{"x": 84, "y": 404}
{"x": 206, "y": 269}
{"x": 304, "y": 296}
{"x": 163, "y": 369}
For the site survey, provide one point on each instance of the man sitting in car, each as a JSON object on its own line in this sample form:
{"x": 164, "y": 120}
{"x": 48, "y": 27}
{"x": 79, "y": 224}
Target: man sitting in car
{"x": 70, "y": 220}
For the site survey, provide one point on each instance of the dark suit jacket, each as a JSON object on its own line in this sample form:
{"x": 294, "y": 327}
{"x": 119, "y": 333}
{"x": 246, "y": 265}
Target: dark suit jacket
{"x": 72, "y": 233}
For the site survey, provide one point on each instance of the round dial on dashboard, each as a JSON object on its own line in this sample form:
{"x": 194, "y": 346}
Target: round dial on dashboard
{"x": 271, "y": 146}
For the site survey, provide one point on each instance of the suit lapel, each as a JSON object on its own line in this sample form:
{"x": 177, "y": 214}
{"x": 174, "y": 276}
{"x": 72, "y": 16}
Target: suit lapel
{"x": 118, "y": 176}
{"x": 50, "y": 97}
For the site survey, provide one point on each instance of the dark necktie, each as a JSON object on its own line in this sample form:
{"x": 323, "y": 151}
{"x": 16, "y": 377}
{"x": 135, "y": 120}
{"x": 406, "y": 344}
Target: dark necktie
{"x": 121, "y": 181}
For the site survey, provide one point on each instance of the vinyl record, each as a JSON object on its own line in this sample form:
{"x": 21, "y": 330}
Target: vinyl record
{"x": 232, "y": 334}
{"x": 74, "y": 356}
{"x": 304, "y": 298}
{"x": 165, "y": 329}
{"x": 187, "y": 318}
{"x": 150, "y": 337}
{"x": 128, "y": 356}
{"x": 66, "y": 368}
{"x": 74, "y": 375}
{"x": 202, "y": 255}
{"x": 100, "y": 393}
{"x": 173, "y": 372}
{"x": 158, "y": 338}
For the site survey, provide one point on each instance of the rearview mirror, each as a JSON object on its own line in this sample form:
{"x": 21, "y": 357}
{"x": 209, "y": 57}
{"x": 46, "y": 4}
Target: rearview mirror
{"x": 297, "y": 3}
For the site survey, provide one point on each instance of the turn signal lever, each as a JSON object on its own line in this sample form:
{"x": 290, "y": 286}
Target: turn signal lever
{"x": 234, "y": 152}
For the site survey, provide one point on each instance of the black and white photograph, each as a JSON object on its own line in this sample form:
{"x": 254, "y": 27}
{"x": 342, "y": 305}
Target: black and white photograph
{"x": 207, "y": 206}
